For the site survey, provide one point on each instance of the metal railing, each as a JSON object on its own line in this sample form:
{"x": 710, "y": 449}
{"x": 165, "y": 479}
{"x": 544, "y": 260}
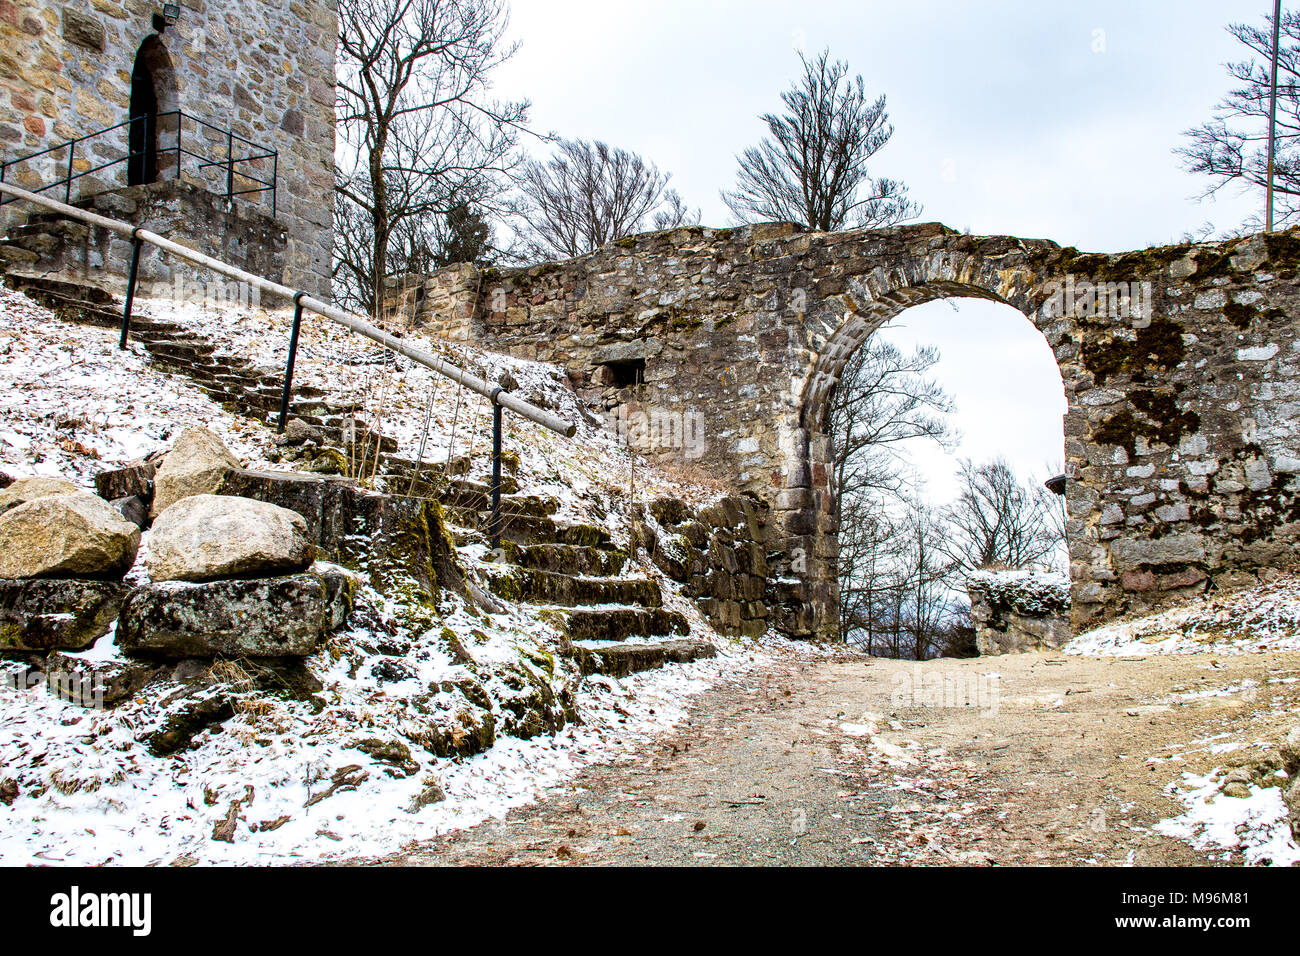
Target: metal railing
{"x": 498, "y": 396}
{"x": 238, "y": 168}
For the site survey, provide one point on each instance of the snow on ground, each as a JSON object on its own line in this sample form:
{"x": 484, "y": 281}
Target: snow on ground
{"x": 1255, "y": 827}
{"x": 106, "y": 801}
{"x": 72, "y": 404}
{"x": 1264, "y": 618}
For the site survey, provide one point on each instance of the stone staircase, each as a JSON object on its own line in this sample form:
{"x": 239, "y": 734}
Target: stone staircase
{"x": 231, "y": 381}
{"x": 615, "y": 623}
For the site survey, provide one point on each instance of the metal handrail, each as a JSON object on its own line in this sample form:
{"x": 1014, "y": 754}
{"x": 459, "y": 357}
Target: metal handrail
{"x": 498, "y": 396}
{"x": 206, "y": 162}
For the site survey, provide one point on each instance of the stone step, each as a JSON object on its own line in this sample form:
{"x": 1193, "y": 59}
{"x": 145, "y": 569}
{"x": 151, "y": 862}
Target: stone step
{"x": 616, "y": 623}
{"x": 545, "y": 587}
{"x": 625, "y": 659}
{"x": 568, "y": 559}
{"x": 528, "y": 529}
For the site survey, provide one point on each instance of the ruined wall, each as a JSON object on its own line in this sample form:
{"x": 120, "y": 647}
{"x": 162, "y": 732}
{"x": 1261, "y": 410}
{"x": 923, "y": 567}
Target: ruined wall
{"x": 1181, "y": 380}
{"x": 263, "y": 70}
{"x": 65, "y": 249}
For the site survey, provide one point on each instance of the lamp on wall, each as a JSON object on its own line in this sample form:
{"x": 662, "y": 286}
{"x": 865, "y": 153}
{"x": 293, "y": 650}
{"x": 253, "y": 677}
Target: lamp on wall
{"x": 171, "y": 12}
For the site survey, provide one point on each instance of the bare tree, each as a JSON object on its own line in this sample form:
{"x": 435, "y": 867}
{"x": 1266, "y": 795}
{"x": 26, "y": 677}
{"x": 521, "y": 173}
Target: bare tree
{"x": 1000, "y": 521}
{"x": 1232, "y": 147}
{"x": 418, "y": 129}
{"x": 813, "y": 168}
{"x": 588, "y": 194}
{"x": 884, "y": 399}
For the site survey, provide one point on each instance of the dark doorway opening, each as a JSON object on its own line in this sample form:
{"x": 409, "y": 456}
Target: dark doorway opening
{"x": 143, "y": 139}
{"x": 623, "y": 374}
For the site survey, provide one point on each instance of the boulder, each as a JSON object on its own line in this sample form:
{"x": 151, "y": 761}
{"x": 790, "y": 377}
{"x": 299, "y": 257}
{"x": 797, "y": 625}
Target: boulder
{"x": 5, "y": 480}
{"x": 24, "y": 490}
{"x": 66, "y": 535}
{"x": 134, "y": 509}
{"x": 268, "y": 617}
{"x": 1291, "y": 794}
{"x": 196, "y": 465}
{"x": 49, "y": 614}
{"x": 95, "y": 684}
{"x": 206, "y": 537}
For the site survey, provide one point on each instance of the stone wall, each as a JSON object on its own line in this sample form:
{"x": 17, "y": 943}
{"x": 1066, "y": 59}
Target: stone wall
{"x": 719, "y": 554}
{"x": 1015, "y": 611}
{"x": 241, "y": 236}
{"x": 263, "y": 70}
{"x": 1180, "y": 365}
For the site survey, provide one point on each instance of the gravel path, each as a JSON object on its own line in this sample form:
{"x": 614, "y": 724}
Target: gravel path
{"x": 1056, "y": 760}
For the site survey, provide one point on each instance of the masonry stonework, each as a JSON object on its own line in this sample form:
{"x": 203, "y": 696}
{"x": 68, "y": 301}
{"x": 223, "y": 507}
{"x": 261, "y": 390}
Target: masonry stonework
{"x": 1181, "y": 438}
{"x": 264, "y": 71}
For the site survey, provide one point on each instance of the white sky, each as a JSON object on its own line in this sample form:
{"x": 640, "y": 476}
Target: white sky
{"x": 1007, "y": 122}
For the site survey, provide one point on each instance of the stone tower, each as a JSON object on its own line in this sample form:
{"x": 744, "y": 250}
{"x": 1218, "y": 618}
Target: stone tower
{"x": 245, "y": 86}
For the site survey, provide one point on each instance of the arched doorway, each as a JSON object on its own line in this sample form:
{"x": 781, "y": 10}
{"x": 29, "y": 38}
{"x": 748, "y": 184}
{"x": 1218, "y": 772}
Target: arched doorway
{"x": 152, "y": 97}
{"x": 944, "y": 426}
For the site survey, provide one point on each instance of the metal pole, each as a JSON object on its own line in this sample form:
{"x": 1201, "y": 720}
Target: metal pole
{"x": 180, "y": 123}
{"x": 293, "y": 354}
{"x": 136, "y": 243}
{"x": 67, "y": 189}
{"x": 1272, "y": 114}
{"x": 494, "y": 523}
{"x": 275, "y": 179}
{"x": 230, "y": 164}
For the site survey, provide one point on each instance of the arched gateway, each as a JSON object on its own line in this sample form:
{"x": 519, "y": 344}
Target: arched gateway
{"x": 1181, "y": 368}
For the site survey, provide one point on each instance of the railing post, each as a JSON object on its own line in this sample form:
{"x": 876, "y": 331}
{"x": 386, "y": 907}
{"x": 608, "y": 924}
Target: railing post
{"x": 180, "y": 124}
{"x": 494, "y": 522}
{"x": 293, "y": 354}
{"x": 275, "y": 178}
{"x": 136, "y": 243}
{"x": 230, "y": 164}
{"x": 67, "y": 189}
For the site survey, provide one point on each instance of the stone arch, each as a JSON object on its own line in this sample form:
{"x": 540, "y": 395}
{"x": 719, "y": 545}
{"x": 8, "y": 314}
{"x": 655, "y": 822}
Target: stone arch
{"x": 806, "y": 505}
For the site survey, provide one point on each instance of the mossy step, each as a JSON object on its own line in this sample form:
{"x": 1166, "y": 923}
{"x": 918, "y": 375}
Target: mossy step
{"x": 545, "y": 587}
{"x": 617, "y": 623}
{"x": 568, "y": 559}
{"x": 528, "y": 529}
{"x": 625, "y": 659}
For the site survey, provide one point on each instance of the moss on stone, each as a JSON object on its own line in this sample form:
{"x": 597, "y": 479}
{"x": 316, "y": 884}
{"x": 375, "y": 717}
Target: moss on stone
{"x": 1158, "y": 347}
{"x": 1160, "y": 421}
{"x": 1239, "y": 315}
{"x": 627, "y": 242}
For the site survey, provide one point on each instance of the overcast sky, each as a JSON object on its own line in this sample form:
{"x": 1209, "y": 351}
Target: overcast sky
{"x": 1037, "y": 119}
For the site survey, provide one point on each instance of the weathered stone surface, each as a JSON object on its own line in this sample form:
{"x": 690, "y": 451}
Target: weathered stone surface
{"x": 1177, "y": 364}
{"x": 622, "y": 660}
{"x": 83, "y": 30}
{"x": 196, "y": 465}
{"x": 48, "y": 614}
{"x": 267, "y": 617}
{"x": 96, "y": 684}
{"x": 207, "y": 537}
{"x": 1017, "y": 611}
{"x": 66, "y": 535}
{"x": 273, "y": 83}
{"x": 131, "y": 480}
{"x": 29, "y": 489}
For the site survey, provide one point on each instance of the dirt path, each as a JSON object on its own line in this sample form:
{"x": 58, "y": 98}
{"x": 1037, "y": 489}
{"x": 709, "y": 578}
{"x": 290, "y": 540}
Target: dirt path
{"x": 859, "y": 761}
